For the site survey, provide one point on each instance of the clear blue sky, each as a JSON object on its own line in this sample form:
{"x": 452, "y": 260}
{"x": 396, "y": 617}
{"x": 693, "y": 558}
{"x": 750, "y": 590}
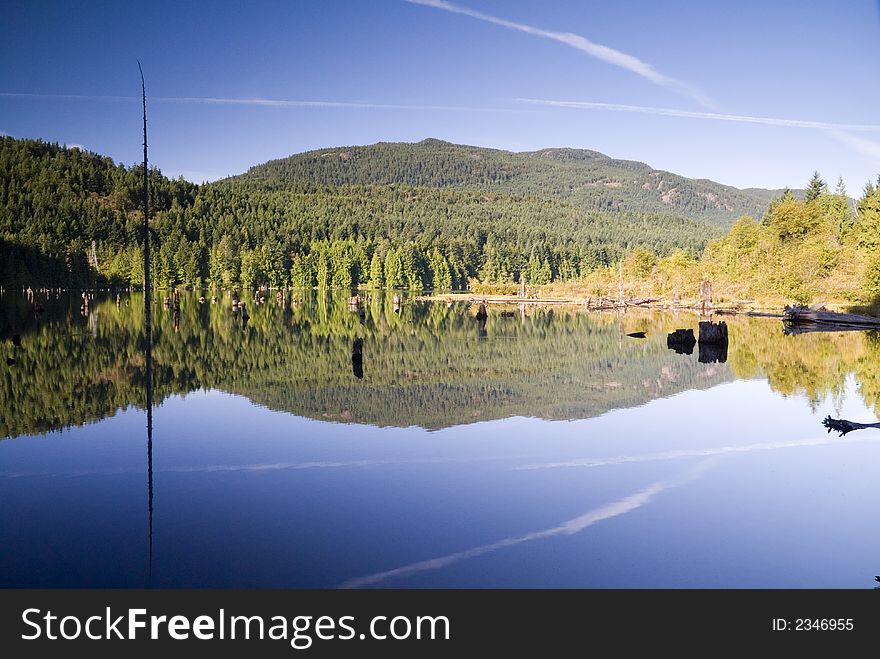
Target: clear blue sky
{"x": 458, "y": 72}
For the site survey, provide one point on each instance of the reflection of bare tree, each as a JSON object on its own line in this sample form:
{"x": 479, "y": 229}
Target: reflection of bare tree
{"x": 843, "y": 426}
{"x": 357, "y": 358}
{"x": 149, "y": 391}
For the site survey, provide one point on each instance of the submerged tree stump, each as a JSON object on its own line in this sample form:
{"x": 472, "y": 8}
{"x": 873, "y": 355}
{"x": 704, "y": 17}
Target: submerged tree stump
{"x": 713, "y": 333}
{"x": 681, "y": 341}
{"x": 357, "y": 358}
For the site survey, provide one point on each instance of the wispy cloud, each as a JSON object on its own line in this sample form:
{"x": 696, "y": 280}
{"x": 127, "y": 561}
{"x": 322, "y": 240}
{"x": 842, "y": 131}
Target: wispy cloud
{"x": 270, "y": 102}
{"x": 571, "y": 527}
{"x": 578, "y": 42}
{"x": 69, "y": 97}
{"x": 712, "y": 116}
{"x": 870, "y": 148}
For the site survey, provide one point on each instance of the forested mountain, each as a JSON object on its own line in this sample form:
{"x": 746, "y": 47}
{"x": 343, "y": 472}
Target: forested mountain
{"x": 431, "y": 215}
{"x": 72, "y": 218}
{"x": 586, "y": 179}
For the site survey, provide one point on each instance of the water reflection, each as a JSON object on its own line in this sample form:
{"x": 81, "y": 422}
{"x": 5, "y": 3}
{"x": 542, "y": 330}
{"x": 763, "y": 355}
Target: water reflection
{"x": 357, "y": 358}
{"x": 570, "y": 527}
{"x": 149, "y": 404}
{"x": 305, "y": 354}
{"x": 681, "y": 341}
{"x": 711, "y": 353}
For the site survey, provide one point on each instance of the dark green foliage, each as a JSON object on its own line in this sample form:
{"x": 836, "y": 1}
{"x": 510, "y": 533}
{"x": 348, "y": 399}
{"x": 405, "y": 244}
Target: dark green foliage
{"x": 588, "y": 180}
{"x": 429, "y": 215}
{"x": 54, "y": 202}
{"x": 427, "y": 365}
{"x": 816, "y": 188}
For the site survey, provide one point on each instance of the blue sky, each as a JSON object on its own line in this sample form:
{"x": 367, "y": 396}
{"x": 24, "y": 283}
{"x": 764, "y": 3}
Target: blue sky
{"x": 745, "y": 93}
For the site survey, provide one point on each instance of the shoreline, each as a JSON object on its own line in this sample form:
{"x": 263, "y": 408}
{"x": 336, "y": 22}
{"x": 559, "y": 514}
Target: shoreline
{"x": 610, "y": 304}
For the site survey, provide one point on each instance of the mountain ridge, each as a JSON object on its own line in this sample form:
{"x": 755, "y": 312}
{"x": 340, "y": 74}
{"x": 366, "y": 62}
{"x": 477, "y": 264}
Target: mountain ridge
{"x": 587, "y": 178}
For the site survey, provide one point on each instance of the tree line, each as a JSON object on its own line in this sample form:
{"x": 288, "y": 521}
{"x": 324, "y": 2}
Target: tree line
{"x": 820, "y": 248}
{"x": 70, "y": 217}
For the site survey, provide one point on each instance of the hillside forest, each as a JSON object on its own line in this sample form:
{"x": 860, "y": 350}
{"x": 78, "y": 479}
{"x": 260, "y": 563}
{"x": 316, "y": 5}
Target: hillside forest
{"x": 431, "y": 216}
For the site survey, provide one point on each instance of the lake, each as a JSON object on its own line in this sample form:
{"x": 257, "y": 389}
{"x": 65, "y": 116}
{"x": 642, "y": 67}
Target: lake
{"x": 543, "y": 448}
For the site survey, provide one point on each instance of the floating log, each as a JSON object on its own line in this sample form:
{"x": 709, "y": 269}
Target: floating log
{"x": 828, "y": 321}
{"x": 804, "y": 328}
{"x": 713, "y": 333}
{"x": 843, "y": 426}
{"x": 682, "y": 341}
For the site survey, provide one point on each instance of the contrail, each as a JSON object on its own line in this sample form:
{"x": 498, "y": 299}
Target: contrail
{"x": 693, "y": 453}
{"x": 576, "y": 41}
{"x": 571, "y": 527}
{"x": 257, "y": 467}
{"x": 712, "y": 116}
{"x": 271, "y": 103}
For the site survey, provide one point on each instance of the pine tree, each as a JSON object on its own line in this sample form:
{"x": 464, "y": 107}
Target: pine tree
{"x": 441, "y": 275}
{"x": 376, "y": 279}
{"x": 393, "y": 269}
{"x": 300, "y": 273}
{"x": 816, "y": 188}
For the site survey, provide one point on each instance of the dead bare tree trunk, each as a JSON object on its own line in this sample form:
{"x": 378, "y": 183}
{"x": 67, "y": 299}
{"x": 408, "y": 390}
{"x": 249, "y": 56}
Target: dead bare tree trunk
{"x": 705, "y": 295}
{"x": 147, "y": 289}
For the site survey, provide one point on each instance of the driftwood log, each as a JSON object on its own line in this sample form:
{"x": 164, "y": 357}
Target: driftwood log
{"x": 843, "y": 426}
{"x": 813, "y": 319}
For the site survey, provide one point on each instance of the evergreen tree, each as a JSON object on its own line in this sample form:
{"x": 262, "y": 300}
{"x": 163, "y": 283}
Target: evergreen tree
{"x": 376, "y": 276}
{"x": 816, "y": 188}
{"x": 393, "y": 269}
{"x": 441, "y": 275}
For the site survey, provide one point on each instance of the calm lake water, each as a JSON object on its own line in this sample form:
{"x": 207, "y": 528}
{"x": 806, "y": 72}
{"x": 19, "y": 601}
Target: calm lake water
{"x": 544, "y": 449}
